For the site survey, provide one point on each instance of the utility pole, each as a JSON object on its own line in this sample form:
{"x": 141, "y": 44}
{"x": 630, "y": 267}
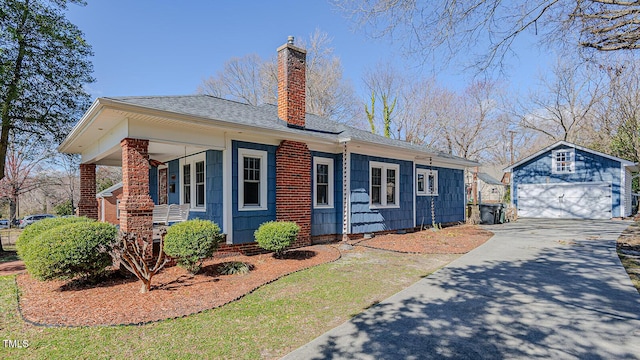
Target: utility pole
{"x": 511, "y": 132}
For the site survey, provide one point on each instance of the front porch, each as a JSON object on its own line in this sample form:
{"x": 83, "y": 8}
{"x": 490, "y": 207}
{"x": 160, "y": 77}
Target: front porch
{"x": 172, "y": 159}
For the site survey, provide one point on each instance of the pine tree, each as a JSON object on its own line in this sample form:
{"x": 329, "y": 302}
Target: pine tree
{"x": 44, "y": 65}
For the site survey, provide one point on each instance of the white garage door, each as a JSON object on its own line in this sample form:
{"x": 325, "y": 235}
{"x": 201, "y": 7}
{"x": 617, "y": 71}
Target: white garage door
{"x": 568, "y": 201}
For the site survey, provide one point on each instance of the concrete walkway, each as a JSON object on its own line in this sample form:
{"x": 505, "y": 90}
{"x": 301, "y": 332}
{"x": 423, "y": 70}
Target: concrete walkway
{"x": 537, "y": 289}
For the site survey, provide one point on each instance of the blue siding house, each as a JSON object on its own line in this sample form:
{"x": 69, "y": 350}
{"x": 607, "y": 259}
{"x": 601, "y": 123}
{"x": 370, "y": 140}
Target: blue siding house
{"x": 569, "y": 181}
{"x": 241, "y": 165}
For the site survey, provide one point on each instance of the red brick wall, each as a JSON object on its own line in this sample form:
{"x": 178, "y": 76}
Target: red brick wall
{"x": 293, "y": 187}
{"x": 110, "y": 209}
{"x": 87, "y": 205}
{"x": 136, "y": 207}
{"x": 291, "y": 84}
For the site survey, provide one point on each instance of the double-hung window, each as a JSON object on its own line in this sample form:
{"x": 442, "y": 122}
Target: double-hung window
{"x": 252, "y": 179}
{"x": 193, "y": 176}
{"x": 427, "y": 182}
{"x": 384, "y": 188}
{"x": 323, "y": 182}
{"x": 563, "y": 161}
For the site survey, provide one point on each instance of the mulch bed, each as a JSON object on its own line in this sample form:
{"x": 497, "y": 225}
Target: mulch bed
{"x": 452, "y": 240}
{"x": 175, "y": 293}
{"x": 11, "y": 268}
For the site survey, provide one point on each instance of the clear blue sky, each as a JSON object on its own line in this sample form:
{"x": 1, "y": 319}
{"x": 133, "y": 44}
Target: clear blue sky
{"x": 162, "y": 47}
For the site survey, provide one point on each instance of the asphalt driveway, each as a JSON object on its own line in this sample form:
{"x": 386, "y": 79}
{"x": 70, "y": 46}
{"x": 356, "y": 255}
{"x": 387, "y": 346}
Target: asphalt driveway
{"x": 548, "y": 289}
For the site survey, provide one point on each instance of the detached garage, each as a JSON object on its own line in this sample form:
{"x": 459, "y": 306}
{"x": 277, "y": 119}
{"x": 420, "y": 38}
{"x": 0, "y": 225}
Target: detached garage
{"x": 566, "y": 181}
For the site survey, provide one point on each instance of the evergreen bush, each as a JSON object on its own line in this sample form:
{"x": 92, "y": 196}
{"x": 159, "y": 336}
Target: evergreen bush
{"x": 34, "y": 230}
{"x": 78, "y": 248}
{"x": 276, "y": 236}
{"x": 192, "y": 241}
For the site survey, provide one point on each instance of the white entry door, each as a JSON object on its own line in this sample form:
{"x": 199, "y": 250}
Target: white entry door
{"x": 565, "y": 201}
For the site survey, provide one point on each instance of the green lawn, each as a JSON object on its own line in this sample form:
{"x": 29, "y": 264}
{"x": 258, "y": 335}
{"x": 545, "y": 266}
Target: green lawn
{"x": 268, "y": 323}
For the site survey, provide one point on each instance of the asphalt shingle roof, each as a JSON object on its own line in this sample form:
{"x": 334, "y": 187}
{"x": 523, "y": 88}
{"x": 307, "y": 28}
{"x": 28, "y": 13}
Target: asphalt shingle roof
{"x": 488, "y": 179}
{"x": 266, "y": 117}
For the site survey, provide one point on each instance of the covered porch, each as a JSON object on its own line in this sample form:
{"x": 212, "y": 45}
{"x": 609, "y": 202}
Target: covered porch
{"x": 142, "y": 142}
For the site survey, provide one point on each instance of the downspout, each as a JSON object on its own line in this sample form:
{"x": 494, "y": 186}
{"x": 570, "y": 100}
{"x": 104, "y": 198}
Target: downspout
{"x": 413, "y": 195}
{"x": 102, "y": 209}
{"x": 346, "y": 206}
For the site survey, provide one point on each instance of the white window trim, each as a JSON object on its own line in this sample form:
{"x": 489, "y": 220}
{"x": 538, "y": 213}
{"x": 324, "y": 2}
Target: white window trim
{"x": 264, "y": 173}
{"x": 330, "y": 195}
{"x": 572, "y": 167}
{"x": 383, "y": 189}
{"x": 426, "y": 173}
{"x": 192, "y": 160}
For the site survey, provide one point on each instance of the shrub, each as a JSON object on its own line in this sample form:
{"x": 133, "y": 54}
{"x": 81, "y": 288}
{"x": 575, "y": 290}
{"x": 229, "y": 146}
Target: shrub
{"x": 34, "y": 230}
{"x": 192, "y": 241}
{"x": 234, "y": 267}
{"x": 276, "y": 235}
{"x": 70, "y": 250}
{"x": 131, "y": 252}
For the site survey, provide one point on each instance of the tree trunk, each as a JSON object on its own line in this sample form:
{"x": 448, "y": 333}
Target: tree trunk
{"x": 146, "y": 286}
{"x": 12, "y": 94}
{"x": 13, "y": 209}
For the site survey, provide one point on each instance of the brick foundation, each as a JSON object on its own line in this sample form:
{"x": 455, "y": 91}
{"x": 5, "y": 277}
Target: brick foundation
{"x": 136, "y": 206}
{"x": 326, "y": 239}
{"x": 88, "y": 206}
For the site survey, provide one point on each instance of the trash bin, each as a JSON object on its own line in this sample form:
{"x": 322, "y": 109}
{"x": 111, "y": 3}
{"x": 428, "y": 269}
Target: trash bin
{"x": 503, "y": 216}
{"x": 490, "y": 213}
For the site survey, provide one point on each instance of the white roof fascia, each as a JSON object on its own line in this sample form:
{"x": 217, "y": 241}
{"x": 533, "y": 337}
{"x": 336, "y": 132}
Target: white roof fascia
{"x": 562, "y": 142}
{"x": 85, "y": 121}
{"x": 109, "y": 191}
{"x": 421, "y": 157}
{"x": 387, "y": 150}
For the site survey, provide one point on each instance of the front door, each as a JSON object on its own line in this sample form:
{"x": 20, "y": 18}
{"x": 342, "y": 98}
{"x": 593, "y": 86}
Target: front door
{"x": 162, "y": 186}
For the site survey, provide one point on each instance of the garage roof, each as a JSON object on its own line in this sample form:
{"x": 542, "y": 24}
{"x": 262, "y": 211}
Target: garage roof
{"x": 630, "y": 164}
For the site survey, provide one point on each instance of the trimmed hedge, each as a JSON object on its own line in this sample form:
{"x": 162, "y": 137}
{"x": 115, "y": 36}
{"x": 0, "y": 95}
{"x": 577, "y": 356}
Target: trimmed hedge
{"x": 192, "y": 241}
{"x": 34, "y": 230}
{"x": 69, "y": 251}
{"x": 276, "y": 235}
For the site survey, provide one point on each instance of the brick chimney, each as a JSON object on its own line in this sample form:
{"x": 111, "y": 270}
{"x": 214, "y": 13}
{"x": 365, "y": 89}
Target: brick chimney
{"x": 292, "y": 84}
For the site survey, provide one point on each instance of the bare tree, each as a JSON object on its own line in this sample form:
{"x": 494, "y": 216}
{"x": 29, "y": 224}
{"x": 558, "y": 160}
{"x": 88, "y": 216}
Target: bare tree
{"x": 386, "y": 85}
{"x": 24, "y": 162}
{"x": 471, "y": 120}
{"x": 565, "y": 108}
{"x": 423, "y": 104}
{"x": 107, "y": 176}
{"x": 513, "y": 143}
{"x": 241, "y": 79}
{"x": 619, "y": 114}
{"x": 328, "y": 93}
{"x": 69, "y": 179}
{"x": 455, "y": 27}
{"x": 253, "y": 80}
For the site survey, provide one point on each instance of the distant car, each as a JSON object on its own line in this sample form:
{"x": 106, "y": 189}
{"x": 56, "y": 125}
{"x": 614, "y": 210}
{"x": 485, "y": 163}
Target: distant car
{"x": 4, "y": 224}
{"x": 28, "y": 220}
